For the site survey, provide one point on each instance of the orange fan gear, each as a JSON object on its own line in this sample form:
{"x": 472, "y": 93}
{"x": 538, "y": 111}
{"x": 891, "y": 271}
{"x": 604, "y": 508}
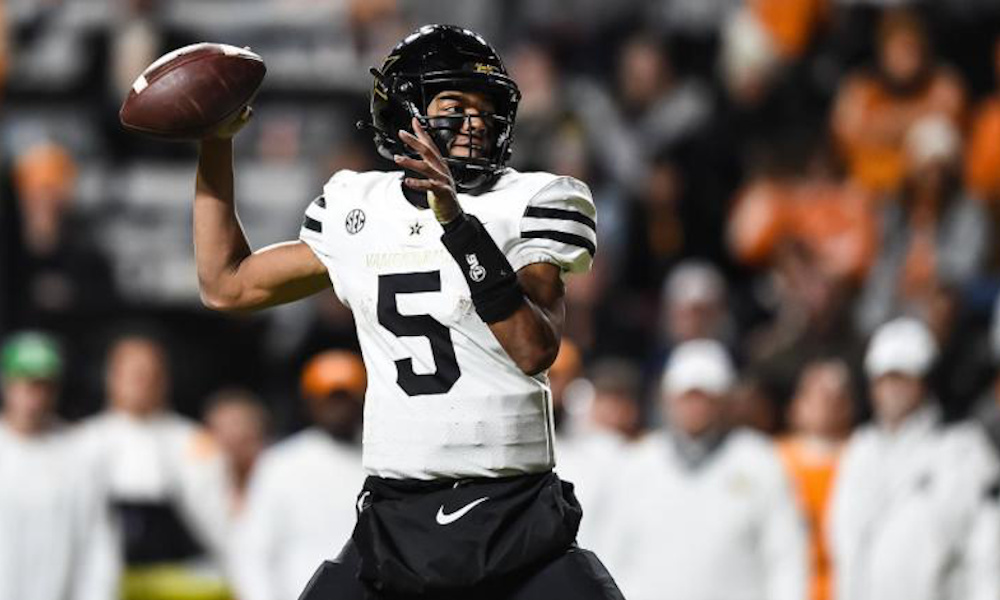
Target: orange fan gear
{"x": 333, "y": 371}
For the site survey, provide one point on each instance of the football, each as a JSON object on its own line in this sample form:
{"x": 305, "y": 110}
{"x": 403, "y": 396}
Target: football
{"x": 186, "y": 94}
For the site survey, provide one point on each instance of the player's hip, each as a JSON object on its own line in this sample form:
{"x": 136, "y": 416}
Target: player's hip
{"x": 424, "y": 536}
{"x": 576, "y": 574}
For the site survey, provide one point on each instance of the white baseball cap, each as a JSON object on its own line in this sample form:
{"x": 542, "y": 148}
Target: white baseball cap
{"x": 702, "y": 365}
{"x": 903, "y": 346}
{"x": 694, "y": 281}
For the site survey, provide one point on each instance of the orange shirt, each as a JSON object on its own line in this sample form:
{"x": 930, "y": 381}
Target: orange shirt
{"x": 834, "y": 220}
{"x": 757, "y": 223}
{"x": 790, "y": 23}
{"x": 870, "y": 124}
{"x": 812, "y": 480}
{"x": 982, "y": 159}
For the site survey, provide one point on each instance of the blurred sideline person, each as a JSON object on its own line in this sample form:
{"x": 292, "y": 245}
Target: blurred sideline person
{"x": 816, "y": 212}
{"x": 239, "y": 422}
{"x": 791, "y": 26}
{"x": 912, "y": 514}
{"x": 301, "y": 500}
{"x": 982, "y": 157}
{"x": 54, "y": 539}
{"x": 54, "y": 274}
{"x": 694, "y": 305}
{"x": 165, "y": 480}
{"x": 609, "y": 421}
{"x": 874, "y": 110}
{"x": 933, "y": 236}
{"x": 987, "y": 410}
{"x": 565, "y": 370}
{"x": 820, "y": 419}
{"x": 614, "y": 407}
{"x": 703, "y": 510}
{"x": 65, "y": 280}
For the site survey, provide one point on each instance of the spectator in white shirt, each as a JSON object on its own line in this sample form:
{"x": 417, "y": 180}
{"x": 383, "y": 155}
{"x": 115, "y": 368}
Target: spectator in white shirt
{"x": 703, "y": 510}
{"x": 609, "y": 417}
{"x": 164, "y": 478}
{"x": 54, "y": 538}
{"x": 239, "y": 422}
{"x": 301, "y": 505}
{"x": 914, "y": 514}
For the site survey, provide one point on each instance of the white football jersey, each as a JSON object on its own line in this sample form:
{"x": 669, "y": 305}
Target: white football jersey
{"x": 444, "y": 399}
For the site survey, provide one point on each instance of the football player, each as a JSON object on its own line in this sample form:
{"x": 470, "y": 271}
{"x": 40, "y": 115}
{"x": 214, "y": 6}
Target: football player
{"x": 453, "y": 267}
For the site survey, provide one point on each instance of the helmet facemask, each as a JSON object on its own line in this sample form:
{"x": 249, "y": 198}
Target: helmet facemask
{"x": 486, "y": 156}
{"x": 426, "y": 64}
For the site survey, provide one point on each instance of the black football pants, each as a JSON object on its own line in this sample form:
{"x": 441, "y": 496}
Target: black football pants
{"x": 576, "y": 575}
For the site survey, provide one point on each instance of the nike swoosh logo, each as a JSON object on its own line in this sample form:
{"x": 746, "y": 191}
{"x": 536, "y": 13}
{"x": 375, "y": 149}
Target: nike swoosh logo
{"x": 361, "y": 506}
{"x": 448, "y": 519}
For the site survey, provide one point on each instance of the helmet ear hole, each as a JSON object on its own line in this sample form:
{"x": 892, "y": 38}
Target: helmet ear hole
{"x": 404, "y": 87}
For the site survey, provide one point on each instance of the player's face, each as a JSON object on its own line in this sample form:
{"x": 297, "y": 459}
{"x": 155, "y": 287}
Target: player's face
{"x": 474, "y": 138}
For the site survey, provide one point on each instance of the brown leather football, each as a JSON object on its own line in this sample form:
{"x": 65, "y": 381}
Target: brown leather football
{"x": 186, "y": 94}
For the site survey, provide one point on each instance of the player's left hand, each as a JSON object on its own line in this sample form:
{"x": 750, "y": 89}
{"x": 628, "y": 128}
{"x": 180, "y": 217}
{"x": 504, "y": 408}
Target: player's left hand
{"x": 439, "y": 185}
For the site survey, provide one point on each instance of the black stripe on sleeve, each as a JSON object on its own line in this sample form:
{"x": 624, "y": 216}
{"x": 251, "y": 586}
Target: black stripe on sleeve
{"x": 320, "y": 201}
{"x": 559, "y": 213}
{"x": 562, "y": 236}
{"x": 312, "y": 224}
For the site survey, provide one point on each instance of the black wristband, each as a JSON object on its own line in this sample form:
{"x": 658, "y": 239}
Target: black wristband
{"x": 496, "y": 293}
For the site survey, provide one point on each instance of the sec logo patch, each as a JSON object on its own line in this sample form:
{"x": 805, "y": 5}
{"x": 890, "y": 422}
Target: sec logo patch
{"x": 355, "y": 221}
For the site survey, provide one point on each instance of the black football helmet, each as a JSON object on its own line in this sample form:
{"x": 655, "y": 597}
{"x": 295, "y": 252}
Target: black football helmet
{"x": 430, "y": 60}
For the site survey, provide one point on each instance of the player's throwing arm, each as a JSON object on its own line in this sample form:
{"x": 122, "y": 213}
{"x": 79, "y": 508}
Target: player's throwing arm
{"x": 202, "y": 92}
{"x": 230, "y": 276}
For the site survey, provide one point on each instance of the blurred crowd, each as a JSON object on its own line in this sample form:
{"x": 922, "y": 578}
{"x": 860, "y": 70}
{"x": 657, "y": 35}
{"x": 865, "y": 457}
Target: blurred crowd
{"x": 780, "y": 380}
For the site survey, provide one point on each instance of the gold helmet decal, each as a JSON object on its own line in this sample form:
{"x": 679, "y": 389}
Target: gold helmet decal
{"x": 378, "y": 87}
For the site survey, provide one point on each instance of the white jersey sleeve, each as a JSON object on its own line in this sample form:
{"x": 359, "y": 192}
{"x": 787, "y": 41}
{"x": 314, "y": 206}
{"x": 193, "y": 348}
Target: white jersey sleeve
{"x": 312, "y": 224}
{"x": 318, "y": 229}
{"x": 558, "y": 226}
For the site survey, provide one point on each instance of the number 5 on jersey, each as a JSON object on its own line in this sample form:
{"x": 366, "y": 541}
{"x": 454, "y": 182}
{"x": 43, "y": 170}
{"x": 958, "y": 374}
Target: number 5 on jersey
{"x": 442, "y": 350}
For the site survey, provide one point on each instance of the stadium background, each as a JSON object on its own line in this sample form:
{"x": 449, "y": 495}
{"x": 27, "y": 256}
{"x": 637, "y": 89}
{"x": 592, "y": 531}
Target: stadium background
{"x": 735, "y": 188}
